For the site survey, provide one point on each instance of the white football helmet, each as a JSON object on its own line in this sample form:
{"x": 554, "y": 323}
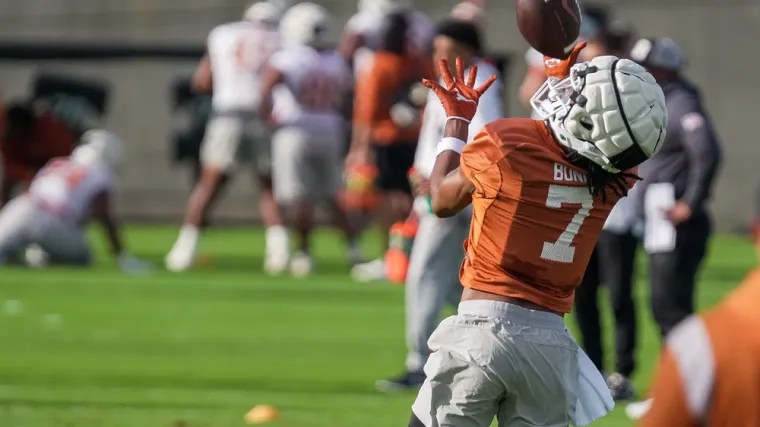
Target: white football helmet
{"x": 100, "y": 147}
{"x": 262, "y": 12}
{"x": 305, "y": 24}
{"x": 609, "y": 110}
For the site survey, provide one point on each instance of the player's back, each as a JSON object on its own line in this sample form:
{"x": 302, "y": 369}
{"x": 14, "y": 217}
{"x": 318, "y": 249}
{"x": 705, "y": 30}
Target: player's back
{"x": 317, "y": 82}
{"x": 709, "y": 373}
{"x": 535, "y": 222}
{"x": 238, "y": 52}
{"x": 68, "y": 188}
{"x": 733, "y": 330}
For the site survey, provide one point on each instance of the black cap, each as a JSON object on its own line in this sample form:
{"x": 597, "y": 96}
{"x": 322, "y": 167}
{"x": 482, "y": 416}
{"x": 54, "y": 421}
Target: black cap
{"x": 463, "y": 32}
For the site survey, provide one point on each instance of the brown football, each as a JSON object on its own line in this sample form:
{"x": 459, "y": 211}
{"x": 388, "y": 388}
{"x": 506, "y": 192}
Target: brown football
{"x": 550, "y": 26}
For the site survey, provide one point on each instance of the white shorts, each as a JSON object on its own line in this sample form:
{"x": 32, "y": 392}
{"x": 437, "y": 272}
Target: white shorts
{"x": 498, "y": 360}
{"x": 307, "y": 165}
{"x": 23, "y": 222}
{"x": 234, "y": 138}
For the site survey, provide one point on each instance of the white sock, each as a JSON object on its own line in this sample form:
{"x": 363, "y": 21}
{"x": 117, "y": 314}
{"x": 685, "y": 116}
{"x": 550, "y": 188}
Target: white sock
{"x": 188, "y": 237}
{"x": 277, "y": 240}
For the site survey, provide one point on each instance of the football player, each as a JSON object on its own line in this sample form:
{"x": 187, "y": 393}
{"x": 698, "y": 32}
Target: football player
{"x": 366, "y": 30}
{"x": 540, "y": 192}
{"x": 431, "y": 281}
{"x": 709, "y": 371}
{"x": 307, "y": 146}
{"x": 49, "y": 220}
{"x": 231, "y": 69}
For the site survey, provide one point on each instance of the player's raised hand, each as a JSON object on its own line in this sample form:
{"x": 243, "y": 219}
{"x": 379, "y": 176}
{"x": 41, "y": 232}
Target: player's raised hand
{"x": 459, "y": 97}
{"x": 560, "y": 68}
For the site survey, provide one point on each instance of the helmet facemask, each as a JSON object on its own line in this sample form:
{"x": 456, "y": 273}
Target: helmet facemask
{"x": 609, "y": 110}
{"x": 554, "y": 101}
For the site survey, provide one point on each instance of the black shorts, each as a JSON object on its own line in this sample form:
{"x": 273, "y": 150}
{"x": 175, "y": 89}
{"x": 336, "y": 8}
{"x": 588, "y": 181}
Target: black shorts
{"x": 393, "y": 163}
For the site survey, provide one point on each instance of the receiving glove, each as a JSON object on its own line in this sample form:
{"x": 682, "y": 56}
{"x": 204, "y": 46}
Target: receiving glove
{"x": 560, "y": 68}
{"x": 459, "y": 98}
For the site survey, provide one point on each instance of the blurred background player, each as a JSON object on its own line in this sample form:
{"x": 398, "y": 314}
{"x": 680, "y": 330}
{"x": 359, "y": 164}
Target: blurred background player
{"x": 50, "y": 219}
{"x": 676, "y": 186}
{"x": 367, "y": 30}
{"x": 306, "y": 148}
{"x": 30, "y": 138}
{"x": 231, "y": 70}
{"x": 709, "y": 370}
{"x": 386, "y": 124}
{"x": 437, "y": 251}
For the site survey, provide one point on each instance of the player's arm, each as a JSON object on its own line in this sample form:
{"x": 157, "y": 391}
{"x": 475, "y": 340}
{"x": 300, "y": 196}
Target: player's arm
{"x": 202, "y": 79}
{"x": 271, "y": 76}
{"x": 101, "y": 210}
{"x": 669, "y": 404}
{"x": 450, "y": 190}
{"x": 702, "y": 148}
{"x": 349, "y": 44}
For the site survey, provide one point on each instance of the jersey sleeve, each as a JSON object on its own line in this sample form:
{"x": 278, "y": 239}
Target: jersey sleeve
{"x": 479, "y": 163}
{"x": 669, "y": 401}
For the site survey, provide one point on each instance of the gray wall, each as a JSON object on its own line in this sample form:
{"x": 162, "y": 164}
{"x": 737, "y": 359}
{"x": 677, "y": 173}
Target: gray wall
{"x": 720, "y": 37}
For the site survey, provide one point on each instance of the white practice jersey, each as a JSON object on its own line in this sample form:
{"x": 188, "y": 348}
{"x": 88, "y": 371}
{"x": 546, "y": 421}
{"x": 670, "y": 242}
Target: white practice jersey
{"x": 490, "y": 108}
{"x": 371, "y": 26}
{"x": 68, "y": 187}
{"x": 315, "y": 84}
{"x": 238, "y": 52}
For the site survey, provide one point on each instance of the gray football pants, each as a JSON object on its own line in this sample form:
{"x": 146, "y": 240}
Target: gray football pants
{"x": 23, "y": 222}
{"x": 432, "y": 280}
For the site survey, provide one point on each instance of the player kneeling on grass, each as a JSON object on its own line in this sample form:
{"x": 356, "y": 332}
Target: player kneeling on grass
{"x": 540, "y": 192}
{"x": 306, "y": 148}
{"x": 49, "y": 221}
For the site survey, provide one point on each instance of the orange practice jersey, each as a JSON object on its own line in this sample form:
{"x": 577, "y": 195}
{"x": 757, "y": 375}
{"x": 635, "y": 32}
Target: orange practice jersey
{"x": 375, "y": 89}
{"x": 535, "y": 222}
{"x": 709, "y": 372}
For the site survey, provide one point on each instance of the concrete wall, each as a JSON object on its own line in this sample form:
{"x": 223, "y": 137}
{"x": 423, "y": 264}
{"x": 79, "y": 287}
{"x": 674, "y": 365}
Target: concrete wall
{"x": 718, "y": 35}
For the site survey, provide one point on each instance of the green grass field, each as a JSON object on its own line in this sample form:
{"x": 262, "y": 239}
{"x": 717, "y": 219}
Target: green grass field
{"x": 96, "y": 348}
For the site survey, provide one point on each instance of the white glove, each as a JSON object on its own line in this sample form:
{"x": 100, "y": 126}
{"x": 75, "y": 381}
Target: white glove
{"x": 133, "y": 266}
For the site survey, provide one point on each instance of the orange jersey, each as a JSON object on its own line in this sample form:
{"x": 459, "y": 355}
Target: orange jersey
{"x": 535, "y": 222}
{"x": 709, "y": 372}
{"x": 375, "y": 89}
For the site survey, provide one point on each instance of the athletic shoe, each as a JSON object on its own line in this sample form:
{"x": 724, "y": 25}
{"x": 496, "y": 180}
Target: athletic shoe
{"x": 620, "y": 386}
{"x": 369, "y": 271}
{"x": 637, "y": 410}
{"x": 301, "y": 264}
{"x": 407, "y": 381}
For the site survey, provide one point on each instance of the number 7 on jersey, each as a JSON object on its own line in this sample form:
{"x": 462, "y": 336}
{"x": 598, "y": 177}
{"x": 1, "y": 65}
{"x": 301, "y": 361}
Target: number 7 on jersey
{"x": 562, "y": 250}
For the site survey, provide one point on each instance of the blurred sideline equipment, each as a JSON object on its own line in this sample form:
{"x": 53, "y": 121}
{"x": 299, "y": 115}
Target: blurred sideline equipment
{"x": 231, "y": 70}
{"x": 550, "y": 27}
{"x": 31, "y": 137}
{"x": 306, "y": 145}
{"x": 51, "y": 217}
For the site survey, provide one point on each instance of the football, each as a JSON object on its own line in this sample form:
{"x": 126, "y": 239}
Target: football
{"x": 550, "y": 26}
